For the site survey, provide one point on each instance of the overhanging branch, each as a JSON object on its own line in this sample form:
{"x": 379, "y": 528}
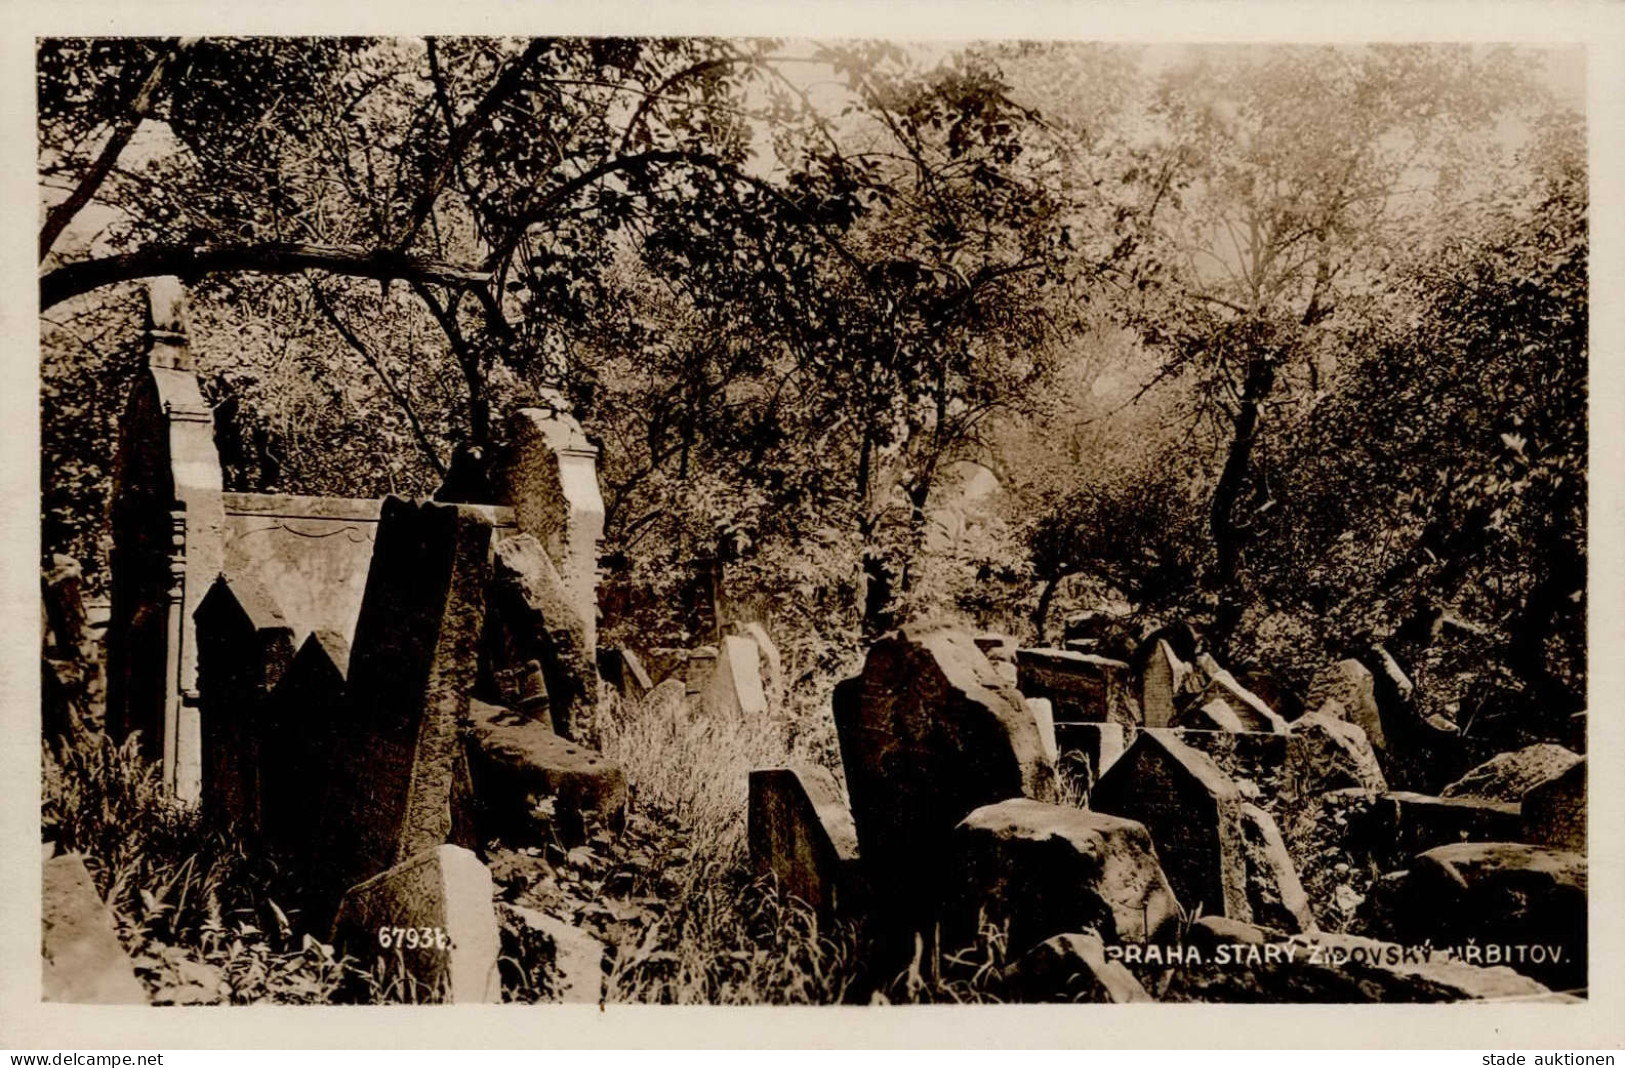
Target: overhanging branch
{"x": 74, "y": 279}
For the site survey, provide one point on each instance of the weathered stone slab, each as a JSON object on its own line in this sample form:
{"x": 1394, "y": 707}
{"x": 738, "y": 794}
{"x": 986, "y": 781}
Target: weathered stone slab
{"x": 1510, "y": 776}
{"x": 444, "y": 897}
{"x": 530, "y": 784}
{"x": 1213, "y": 715}
{"x": 1253, "y": 713}
{"x": 1402, "y": 824}
{"x": 1263, "y": 759}
{"x": 735, "y": 687}
{"x": 576, "y": 958}
{"x": 1554, "y": 812}
{"x": 928, "y": 733}
{"x": 1274, "y": 893}
{"x": 1098, "y": 744}
{"x": 1193, "y": 812}
{"x": 1331, "y": 754}
{"x": 1073, "y": 968}
{"x": 624, "y": 671}
{"x": 1506, "y": 895}
{"x": 1044, "y": 715}
{"x": 411, "y": 670}
{"x": 801, "y": 833}
{"x": 702, "y": 664}
{"x": 536, "y": 618}
{"x": 996, "y": 646}
{"x": 771, "y": 664}
{"x": 1083, "y": 688}
{"x": 1046, "y": 869}
{"x": 1162, "y": 679}
{"x": 83, "y": 962}
{"x": 244, "y": 648}
{"x": 550, "y": 478}
{"x": 303, "y": 723}
{"x": 1349, "y": 688}
{"x": 666, "y": 703}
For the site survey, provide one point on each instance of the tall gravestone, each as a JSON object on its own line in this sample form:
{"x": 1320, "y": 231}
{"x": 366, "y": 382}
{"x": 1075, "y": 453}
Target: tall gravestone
{"x": 535, "y": 618}
{"x": 1193, "y": 812}
{"x": 168, "y": 531}
{"x": 928, "y": 733}
{"x": 303, "y": 720}
{"x": 244, "y": 648}
{"x": 1162, "y": 680}
{"x": 413, "y": 664}
{"x": 801, "y": 833}
{"x": 1082, "y": 687}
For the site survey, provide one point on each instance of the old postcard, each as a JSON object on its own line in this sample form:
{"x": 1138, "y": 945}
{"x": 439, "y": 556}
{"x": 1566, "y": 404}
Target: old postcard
{"x": 555, "y": 522}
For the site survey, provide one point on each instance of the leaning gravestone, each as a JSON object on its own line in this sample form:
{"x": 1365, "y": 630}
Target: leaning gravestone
{"x": 82, "y": 959}
{"x": 1554, "y": 812}
{"x": 1082, "y": 687}
{"x": 1193, "y": 812}
{"x": 1350, "y": 689}
{"x": 1331, "y": 754}
{"x": 244, "y": 648}
{"x": 1044, "y": 716}
{"x": 303, "y": 719}
{"x": 1161, "y": 681}
{"x": 433, "y": 916}
{"x": 1509, "y": 777}
{"x": 772, "y": 665}
{"x": 928, "y": 732}
{"x": 1248, "y": 707}
{"x": 801, "y": 833}
{"x": 394, "y": 783}
{"x": 537, "y": 619}
{"x": 1040, "y": 870}
{"x": 735, "y": 686}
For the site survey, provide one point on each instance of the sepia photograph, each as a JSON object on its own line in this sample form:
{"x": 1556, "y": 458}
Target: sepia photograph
{"x": 850, "y": 521}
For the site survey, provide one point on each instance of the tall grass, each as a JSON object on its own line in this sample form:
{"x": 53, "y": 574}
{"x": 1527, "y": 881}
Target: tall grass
{"x": 197, "y": 906}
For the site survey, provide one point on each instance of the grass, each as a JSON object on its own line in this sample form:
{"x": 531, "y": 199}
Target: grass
{"x": 196, "y": 906}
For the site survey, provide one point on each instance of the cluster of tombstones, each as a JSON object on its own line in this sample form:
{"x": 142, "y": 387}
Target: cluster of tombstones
{"x": 955, "y": 825}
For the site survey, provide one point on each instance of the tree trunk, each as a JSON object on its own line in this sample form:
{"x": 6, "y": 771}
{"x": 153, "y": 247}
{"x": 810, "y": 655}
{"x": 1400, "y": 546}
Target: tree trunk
{"x": 1041, "y": 613}
{"x": 1226, "y": 538}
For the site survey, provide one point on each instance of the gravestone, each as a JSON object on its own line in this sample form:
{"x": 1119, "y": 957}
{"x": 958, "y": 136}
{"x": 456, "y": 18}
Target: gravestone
{"x": 1402, "y": 824}
{"x": 83, "y": 962}
{"x": 772, "y": 665}
{"x": 1213, "y": 715}
{"x": 735, "y": 686}
{"x": 1331, "y": 754}
{"x": 1073, "y": 968}
{"x": 303, "y": 723}
{"x": 1193, "y": 812}
{"x": 1162, "y": 680}
{"x": 1044, "y": 716}
{"x": 1349, "y": 688}
{"x": 1554, "y": 812}
{"x": 1253, "y": 713}
{"x": 518, "y": 764}
{"x": 1083, "y": 688}
{"x": 801, "y": 833}
{"x": 697, "y": 672}
{"x": 167, "y": 521}
{"x": 1098, "y": 744}
{"x": 443, "y": 897}
{"x": 244, "y": 648}
{"x": 1275, "y": 895}
{"x": 550, "y": 478}
{"x": 534, "y": 617}
{"x": 1511, "y": 776}
{"x": 1042, "y": 869}
{"x": 411, "y": 669}
{"x": 929, "y": 732}
{"x": 624, "y": 671}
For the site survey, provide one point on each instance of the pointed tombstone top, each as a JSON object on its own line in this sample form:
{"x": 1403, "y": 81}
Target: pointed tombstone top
{"x": 242, "y": 599}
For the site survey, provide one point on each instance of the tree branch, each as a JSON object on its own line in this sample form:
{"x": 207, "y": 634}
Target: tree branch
{"x": 140, "y": 107}
{"x": 73, "y": 279}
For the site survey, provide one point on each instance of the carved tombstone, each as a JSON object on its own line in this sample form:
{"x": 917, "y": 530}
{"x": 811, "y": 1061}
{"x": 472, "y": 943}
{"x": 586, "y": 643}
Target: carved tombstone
{"x": 735, "y": 688}
{"x": 168, "y": 534}
{"x": 1082, "y": 687}
{"x": 802, "y": 834}
{"x": 535, "y": 618}
{"x": 303, "y": 720}
{"x": 411, "y": 669}
{"x": 1193, "y": 812}
{"x": 929, "y": 732}
{"x": 244, "y": 648}
{"x": 1161, "y": 681}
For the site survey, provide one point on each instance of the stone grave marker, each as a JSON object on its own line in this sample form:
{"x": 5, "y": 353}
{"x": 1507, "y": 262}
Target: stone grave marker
{"x": 1193, "y": 812}
{"x": 304, "y": 720}
{"x": 1509, "y": 777}
{"x": 1554, "y": 811}
{"x": 1082, "y": 687}
{"x": 1349, "y": 688}
{"x": 735, "y": 686}
{"x": 801, "y": 833}
{"x": 244, "y": 648}
{"x": 83, "y": 962}
{"x": 517, "y": 763}
{"x": 1161, "y": 682}
{"x": 436, "y": 912}
{"x": 411, "y": 669}
{"x": 1247, "y": 706}
{"x": 928, "y": 732}
{"x": 1044, "y": 716}
{"x": 536, "y": 618}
